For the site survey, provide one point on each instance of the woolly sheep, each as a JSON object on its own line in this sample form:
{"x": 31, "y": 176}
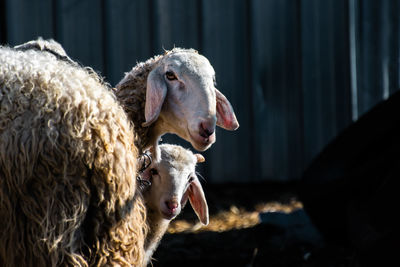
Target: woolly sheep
{"x": 173, "y": 181}
{"x": 68, "y": 191}
{"x": 60, "y": 121}
{"x": 175, "y": 93}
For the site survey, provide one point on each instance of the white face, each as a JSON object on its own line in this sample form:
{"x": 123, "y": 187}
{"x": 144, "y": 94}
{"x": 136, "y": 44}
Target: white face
{"x": 181, "y": 98}
{"x": 169, "y": 183}
{"x": 174, "y": 181}
{"x": 190, "y": 106}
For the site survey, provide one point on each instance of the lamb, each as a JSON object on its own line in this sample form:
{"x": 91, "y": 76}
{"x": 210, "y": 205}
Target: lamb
{"x": 175, "y": 93}
{"x": 68, "y": 191}
{"x": 173, "y": 181}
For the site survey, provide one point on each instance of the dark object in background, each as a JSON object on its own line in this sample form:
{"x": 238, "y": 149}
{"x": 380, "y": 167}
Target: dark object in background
{"x": 351, "y": 190}
{"x": 294, "y": 227}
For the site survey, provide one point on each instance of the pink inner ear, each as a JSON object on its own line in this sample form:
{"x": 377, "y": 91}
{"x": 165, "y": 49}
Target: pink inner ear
{"x": 198, "y": 201}
{"x": 225, "y": 115}
{"x": 224, "y": 118}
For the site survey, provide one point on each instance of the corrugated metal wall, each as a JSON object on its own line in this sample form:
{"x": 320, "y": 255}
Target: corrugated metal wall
{"x": 296, "y": 71}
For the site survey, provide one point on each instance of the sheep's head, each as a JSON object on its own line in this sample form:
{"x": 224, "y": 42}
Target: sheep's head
{"x": 174, "y": 181}
{"x": 181, "y": 98}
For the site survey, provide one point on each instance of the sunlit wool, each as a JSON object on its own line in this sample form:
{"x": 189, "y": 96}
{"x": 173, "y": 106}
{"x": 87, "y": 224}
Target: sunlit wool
{"x": 67, "y": 167}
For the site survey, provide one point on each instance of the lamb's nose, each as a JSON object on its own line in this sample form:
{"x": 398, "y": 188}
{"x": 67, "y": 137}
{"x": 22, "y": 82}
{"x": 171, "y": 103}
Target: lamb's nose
{"x": 172, "y": 205}
{"x": 206, "y": 129}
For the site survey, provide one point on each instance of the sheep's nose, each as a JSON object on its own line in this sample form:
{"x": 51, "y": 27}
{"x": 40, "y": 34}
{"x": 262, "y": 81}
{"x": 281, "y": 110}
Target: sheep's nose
{"x": 206, "y": 129}
{"x": 172, "y": 205}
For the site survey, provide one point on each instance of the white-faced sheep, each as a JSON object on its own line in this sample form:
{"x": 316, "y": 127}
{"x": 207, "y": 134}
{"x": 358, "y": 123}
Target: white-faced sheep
{"x": 68, "y": 192}
{"x": 173, "y": 181}
{"x": 175, "y": 93}
{"x": 67, "y": 153}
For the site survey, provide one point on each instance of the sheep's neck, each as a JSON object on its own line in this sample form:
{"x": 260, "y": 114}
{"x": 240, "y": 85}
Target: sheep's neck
{"x": 132, "y": 96}
{"x": 157, "y": 228}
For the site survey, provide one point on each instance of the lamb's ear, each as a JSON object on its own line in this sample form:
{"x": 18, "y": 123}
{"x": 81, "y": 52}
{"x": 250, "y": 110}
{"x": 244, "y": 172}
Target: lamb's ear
{"x": 146, "y": 175}
{"x": 200, "y": 158}
{"x": 225, "y": 115}
{"x": 155, "y": 94}
{"x": 198, "y": 201}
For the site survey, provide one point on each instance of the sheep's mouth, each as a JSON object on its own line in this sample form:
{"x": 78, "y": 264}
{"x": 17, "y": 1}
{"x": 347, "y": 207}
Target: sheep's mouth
{"x": 199, "y": 142}
{"x": 168, "y": 215}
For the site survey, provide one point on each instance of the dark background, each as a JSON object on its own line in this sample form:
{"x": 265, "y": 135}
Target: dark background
{"x": 297, "y": 72}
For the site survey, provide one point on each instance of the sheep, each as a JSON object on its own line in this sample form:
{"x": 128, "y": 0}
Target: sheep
{"x": 68, "y": 191}
{"x": 173, "y": 181}
{"x": 175, "y": 93}
{"x": 69, "y": 146}
{"x": 143, "y": 93}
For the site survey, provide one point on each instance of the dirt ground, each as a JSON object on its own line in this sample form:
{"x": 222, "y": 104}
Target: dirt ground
{"x": 237, "y": 237}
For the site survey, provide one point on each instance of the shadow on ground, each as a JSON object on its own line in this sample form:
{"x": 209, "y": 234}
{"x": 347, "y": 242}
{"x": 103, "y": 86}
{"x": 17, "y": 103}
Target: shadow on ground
{"x": 282, "y": 235}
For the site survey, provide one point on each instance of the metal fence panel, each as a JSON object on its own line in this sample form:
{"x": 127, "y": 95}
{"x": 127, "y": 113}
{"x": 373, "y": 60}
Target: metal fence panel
{"x": 326, "y": 93}
{"x": 225, "y": 43}
{"x": 128, "y": 36}
{"x": 276, "y": 81}
{"x": 28, "y": 19}
{"x": 80, "y": 30}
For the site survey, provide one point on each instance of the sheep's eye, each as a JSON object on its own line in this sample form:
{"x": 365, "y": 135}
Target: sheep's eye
{"x": 170, "y": 75}
{"x": 153, "y": 171}
{"x": 191, "y": 178}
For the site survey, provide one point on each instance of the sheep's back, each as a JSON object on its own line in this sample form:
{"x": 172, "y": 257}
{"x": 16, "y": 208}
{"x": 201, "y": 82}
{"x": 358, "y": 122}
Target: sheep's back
{"x": 66, "y": 151}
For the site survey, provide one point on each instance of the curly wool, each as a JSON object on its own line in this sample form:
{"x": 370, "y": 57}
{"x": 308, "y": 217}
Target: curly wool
{"x": 67, "y": 167}
{"x": 131, "y": 92}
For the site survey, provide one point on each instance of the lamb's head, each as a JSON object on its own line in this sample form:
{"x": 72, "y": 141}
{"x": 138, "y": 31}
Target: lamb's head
{"x": 173, "y": 182}
{"x": 181, "y": 98}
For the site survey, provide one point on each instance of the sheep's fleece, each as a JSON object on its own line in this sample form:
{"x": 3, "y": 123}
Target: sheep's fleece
{"x": 67, "y": 167}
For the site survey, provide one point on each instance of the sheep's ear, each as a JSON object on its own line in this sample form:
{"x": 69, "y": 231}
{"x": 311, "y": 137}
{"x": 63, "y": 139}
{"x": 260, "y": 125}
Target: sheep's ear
{"x": 146, "y": 175}
{"x": 200, "y": 158}
{"x": 198, "y": 201}
{"x": 225, "y": 115}
{"x": 155, "y": 94}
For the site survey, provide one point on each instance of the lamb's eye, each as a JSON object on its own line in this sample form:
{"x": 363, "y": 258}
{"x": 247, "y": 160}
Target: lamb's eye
{"x": 153, "y": 171}
{"x": 170, "y": 75}
{"x": 190, "y": 179}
